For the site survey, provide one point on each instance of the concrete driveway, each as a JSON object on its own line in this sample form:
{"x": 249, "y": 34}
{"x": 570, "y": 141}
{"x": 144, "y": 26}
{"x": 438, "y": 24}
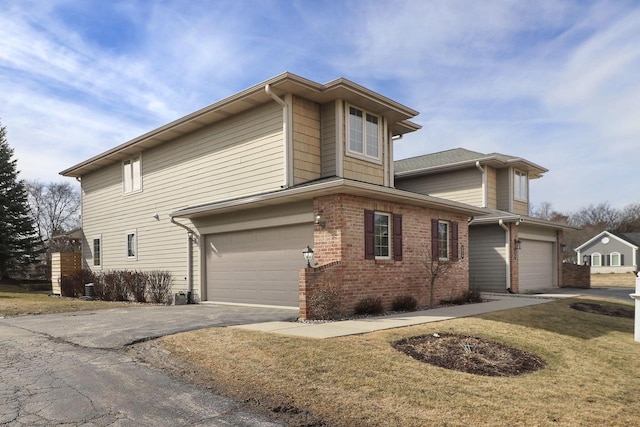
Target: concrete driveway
{"x": 66, "y": 369}
{"x": 117, "y": 327}
{"x": 614, "y": 293}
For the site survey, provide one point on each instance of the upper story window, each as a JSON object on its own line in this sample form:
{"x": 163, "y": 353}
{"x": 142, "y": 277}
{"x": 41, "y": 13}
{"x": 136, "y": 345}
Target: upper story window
{"x": 364, "y": 134}
{"x": 520, "y": 185}
{"x": 132, "y": 175}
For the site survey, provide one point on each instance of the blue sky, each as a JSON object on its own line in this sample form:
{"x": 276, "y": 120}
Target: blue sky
{"x": 555, "y": 82}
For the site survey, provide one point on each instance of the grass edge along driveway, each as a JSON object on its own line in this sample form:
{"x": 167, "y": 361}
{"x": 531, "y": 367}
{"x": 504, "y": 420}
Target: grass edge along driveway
{"x": 590, "y": 378}
{"x": 16, "y": 301}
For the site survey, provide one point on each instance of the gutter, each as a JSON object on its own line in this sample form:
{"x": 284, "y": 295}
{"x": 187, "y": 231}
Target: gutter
{"x": 285, "y": 132}
{"x": 192, "y": 237}
{"x": 483, "y": 171}
{"x": 507, "y": 246}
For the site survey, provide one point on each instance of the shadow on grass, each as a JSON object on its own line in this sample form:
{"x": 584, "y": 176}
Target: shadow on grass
{"x": 558, "y": 317}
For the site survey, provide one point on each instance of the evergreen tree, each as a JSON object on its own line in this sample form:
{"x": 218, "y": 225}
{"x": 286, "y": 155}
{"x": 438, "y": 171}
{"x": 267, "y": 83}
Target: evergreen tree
{"x": 19, "y": 244}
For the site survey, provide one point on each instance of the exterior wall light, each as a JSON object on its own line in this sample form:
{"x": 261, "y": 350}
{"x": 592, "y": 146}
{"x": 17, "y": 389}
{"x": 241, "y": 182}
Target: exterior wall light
{"x": 518, "y": 244}
{"x": 319, "y": 221}
{"x": 308, "y": 255}
{"x": 563, "y": 248}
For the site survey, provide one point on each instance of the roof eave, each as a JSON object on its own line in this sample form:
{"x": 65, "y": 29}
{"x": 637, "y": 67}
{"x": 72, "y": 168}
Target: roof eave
{"x": 326, "y": 188}
{"x": 242, "y": 101}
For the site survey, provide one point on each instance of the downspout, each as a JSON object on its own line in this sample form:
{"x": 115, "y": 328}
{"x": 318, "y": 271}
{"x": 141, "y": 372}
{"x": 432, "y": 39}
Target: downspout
{"x": 192, "y": 237}
{"x": 285, "y": 132}
{"x": 484, "y": 183}
{"x": 507, "y": 247}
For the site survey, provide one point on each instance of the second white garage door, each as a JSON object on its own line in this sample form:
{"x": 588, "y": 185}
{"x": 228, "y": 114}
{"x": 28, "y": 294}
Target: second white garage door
{"x": 536, "y": 265}
{"x": 257, "y": 266}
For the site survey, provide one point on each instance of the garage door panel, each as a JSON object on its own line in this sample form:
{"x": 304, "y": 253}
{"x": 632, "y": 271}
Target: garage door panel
{"x": 257, "y": 266}
{"x": 536, "y": 265}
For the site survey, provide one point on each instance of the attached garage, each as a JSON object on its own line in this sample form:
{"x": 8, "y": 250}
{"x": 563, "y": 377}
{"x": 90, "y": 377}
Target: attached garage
{"x": 537, "y": 265}
{"x": 257, "y": 266}
{"x": 487, "y": 259}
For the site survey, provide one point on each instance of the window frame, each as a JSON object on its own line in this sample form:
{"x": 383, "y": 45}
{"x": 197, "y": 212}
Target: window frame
{"x": 598, "y": 256}
{"x": 97, "y": 238}
{"x": 520, "y": 178}
{"x": 376, "y": 236}
{"x": 363, "y": 131}
{"x": 619, "y": 255}
{"x": 446, "y": 240}
{"x": 131, "y": 171}
{"x": 128, "y": 248}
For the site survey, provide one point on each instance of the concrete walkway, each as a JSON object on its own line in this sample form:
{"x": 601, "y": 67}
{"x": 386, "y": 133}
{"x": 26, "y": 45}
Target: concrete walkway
{"x": 494, "y": 302}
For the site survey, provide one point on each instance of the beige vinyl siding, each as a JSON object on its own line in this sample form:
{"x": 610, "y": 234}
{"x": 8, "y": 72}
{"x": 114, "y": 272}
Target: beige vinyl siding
{"x": 240, "y": 156}
{"x": 520, "y": 208}
{"x": 463, "y": 186}
{"x": 328, "y": 114}
{"x": 492, "y": 190}
{"x": 487, "y": 258}
{"x": 361, "y": 170}
{"x": 306, "y": 140}
{"x": 503, "y": 192}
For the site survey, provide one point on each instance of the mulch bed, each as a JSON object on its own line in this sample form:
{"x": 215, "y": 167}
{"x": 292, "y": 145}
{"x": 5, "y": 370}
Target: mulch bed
{"x": 468, "y": 354}
{"x": 606, "y": 310}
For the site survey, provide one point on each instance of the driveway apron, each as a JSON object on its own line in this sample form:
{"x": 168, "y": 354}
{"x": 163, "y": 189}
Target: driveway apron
{"x": 62, "y": 370}
{"x": 115, "y": 328}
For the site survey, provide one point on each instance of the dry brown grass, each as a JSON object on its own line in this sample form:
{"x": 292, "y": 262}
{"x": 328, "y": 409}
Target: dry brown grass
{"x": 15, "y": 301}
{"x": 590, "y": 378}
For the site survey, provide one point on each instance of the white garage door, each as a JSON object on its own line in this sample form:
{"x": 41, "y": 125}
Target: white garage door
{"x": 536, "y": 265}
{"x": 257, "y": 266}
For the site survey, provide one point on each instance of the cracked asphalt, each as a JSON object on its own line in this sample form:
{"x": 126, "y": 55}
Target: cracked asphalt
{"x": 52, "y": 373}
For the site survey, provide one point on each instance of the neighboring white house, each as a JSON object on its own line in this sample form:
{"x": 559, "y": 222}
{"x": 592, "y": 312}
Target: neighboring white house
{"x": 611, "y": 253}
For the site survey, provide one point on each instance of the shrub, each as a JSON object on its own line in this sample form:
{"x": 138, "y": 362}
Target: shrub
{"x": 369, "y": 305}
{"x": 405, "y": 303}
{"x": 159, "y": 287}
{"x": 471, "y": 296}
{"x": 325, "y": 302}
{"x": 113, "y": 286}
{"x": 73, "y": 285}
{"x": 136, "y": 285}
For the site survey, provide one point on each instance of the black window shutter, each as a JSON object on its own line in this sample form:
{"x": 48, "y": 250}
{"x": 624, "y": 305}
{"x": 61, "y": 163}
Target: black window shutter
{"x": 369, "y": 235}
{"x": 434, "y": 239}
{"x": 397, "y": 237}
{"x": 621, "y": 259}
{"x": 454, "y": 241}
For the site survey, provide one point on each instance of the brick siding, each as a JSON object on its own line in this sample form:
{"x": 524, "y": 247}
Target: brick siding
{"x": 339, "y": 252}
{"x": 576, "y": 276}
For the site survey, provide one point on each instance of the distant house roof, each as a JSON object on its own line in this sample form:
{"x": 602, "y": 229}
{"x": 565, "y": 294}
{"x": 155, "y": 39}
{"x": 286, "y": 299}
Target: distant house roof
{"x": 460, "y": 158}
{"x": 631, "y": 239}
{"x": 398, "y": 115}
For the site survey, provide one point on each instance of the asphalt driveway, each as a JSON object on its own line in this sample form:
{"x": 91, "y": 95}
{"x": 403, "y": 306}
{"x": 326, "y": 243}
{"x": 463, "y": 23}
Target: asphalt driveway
{"x": 118, "y": 327}
{"x": 67, "y": 369}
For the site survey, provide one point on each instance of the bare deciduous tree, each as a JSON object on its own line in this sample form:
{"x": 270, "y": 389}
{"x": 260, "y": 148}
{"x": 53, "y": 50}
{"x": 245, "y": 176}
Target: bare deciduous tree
{"x": 436, "y": 268}
{"x": 55, "y": 207}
